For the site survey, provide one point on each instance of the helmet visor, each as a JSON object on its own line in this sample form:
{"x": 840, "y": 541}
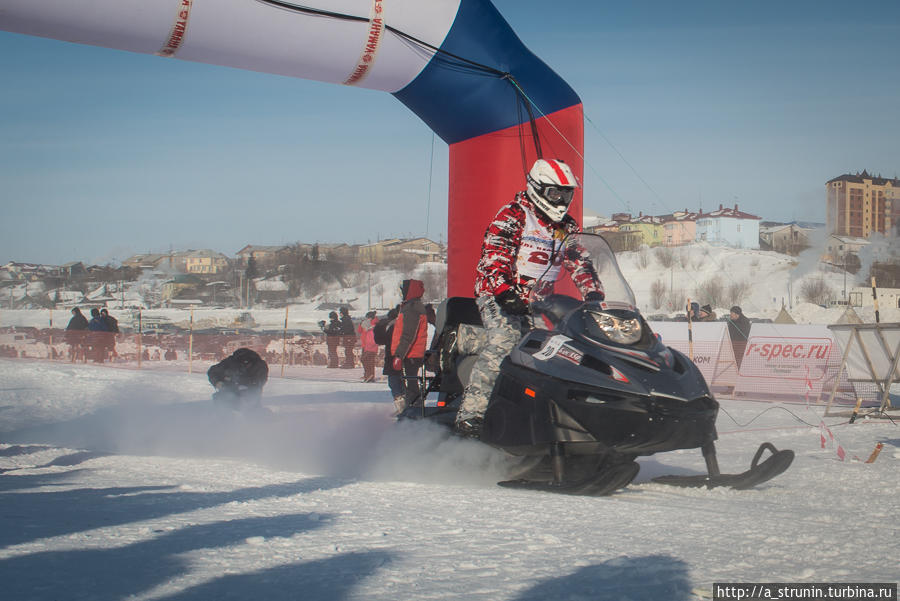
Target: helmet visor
{"x": 558, "y": 196}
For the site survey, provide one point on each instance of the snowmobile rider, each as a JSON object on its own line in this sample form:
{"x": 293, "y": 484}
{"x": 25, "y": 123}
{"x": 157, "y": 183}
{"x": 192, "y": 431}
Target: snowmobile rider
{"x": 516, "y": 251}
{"x": 239, "y": 379}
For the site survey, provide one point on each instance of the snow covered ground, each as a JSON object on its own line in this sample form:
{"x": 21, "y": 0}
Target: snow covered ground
{"x": 123, "y": 484}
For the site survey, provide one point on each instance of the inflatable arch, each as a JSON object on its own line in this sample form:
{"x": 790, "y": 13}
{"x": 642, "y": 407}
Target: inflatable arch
{"x": 456, "y": 64}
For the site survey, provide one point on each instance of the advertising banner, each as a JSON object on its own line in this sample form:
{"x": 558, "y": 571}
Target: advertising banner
{"x": 712, "y": 351}
{"x": 791, "y": 360}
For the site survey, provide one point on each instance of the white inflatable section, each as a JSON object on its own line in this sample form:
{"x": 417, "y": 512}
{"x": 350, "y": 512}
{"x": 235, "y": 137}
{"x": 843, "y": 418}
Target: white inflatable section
{"x": 249, "y": 34}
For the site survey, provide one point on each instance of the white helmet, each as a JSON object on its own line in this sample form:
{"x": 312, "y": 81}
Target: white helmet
{"x": 551, "y": 186}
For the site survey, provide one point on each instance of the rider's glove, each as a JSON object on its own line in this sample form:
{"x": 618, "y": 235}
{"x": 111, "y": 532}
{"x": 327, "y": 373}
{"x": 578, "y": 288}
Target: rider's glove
{"x": 510, "y": 302}
{"x": 398, "y": 364}
{"x": 594, "y": 297}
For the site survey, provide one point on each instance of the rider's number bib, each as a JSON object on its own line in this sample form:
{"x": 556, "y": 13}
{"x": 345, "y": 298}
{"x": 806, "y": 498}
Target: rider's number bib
{"x": 536, "y": 250}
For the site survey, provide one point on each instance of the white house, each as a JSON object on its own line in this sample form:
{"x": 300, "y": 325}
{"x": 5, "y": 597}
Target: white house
{"x": 838, "y": 247}
{"x": 729, "y": 227}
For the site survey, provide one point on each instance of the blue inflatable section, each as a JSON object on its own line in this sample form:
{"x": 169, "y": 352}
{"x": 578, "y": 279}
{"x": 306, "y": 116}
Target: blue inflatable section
{"x": 458, "y": 102}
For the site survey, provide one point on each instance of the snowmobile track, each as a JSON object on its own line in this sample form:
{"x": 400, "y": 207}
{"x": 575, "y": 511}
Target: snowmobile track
{"x": 601, "y": 484}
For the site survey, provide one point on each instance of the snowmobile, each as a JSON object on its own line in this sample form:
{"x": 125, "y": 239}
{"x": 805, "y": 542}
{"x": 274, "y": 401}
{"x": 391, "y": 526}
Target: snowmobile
{"x": 587, "y": 390}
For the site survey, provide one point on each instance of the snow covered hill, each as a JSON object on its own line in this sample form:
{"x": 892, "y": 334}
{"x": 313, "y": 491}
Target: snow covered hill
{"x": 762, "y": 281}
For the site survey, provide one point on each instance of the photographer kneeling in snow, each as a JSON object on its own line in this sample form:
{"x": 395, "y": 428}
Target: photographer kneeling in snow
{"x": 239, "y": 380}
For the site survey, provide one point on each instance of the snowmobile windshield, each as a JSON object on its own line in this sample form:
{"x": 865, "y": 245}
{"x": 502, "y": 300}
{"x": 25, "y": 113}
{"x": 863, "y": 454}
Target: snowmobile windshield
{"x": 584, "y": 257}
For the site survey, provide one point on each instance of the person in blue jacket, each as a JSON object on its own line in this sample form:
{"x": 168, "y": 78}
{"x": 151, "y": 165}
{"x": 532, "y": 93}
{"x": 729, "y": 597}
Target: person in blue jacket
{"x": 97, "y": 329}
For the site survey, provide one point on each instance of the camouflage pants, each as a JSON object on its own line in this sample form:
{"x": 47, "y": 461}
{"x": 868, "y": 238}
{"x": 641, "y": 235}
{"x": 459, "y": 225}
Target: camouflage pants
{"x": 502, "y": 332}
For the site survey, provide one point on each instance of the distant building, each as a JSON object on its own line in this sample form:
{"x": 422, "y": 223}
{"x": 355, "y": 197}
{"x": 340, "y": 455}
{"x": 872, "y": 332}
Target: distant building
{"x": 29, "y": 271}
{"x": 729, "y": 227}
{"x": 612, "y": 224}
{"x": 679, "y": 228}
{"x": 858, "y": 205}
{"x": 591, "y": 220}
{"x": 838, "y": 247}
{"x": 650, "y": 229}
{"x": 150, "y": 261}
{"x": 72, "y": 269}
{"x": 179, "y": 285}
{"x": 271, "y": 292}
{"x": 205, "y": 261}
{"x": 422, "y": 250}
{"x": 787, "y": 238}
{"x": 262, "y": 254}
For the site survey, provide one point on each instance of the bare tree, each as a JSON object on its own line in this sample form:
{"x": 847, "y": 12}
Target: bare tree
{"x": 657, "y": 293}
{"x": 737, "y": 291}
{"x": 816, "y": 291}
{"x": 643, "y": 258}
{"x": 666, "y": 256}
{"x": 674, "y": 300}
{"x": 435, "y": 284}
{"x": 711, "y": 291}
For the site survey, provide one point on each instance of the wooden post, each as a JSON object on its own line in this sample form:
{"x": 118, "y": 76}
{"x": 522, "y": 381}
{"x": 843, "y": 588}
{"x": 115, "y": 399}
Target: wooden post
{"x": 140, "y": 351}
{"x": 284, "y": 340}
{"x": 875, "y": 453}
{"x": 856, "y": 410}
{"x": 191, "y": 344}
{"x": 875, "y": 300}
{"x": 690, "y": 331}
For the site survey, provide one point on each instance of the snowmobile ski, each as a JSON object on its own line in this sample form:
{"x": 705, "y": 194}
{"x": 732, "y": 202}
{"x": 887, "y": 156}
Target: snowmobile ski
{"x": 758, "y": 473}
{"x": 600, "y": 484}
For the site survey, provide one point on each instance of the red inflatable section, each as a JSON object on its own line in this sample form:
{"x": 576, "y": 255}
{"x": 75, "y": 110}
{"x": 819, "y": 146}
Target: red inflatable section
{"x": 487, "y": 171}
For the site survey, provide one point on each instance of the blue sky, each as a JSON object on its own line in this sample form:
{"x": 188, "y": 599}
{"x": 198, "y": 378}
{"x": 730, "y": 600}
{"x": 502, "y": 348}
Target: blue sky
{"x": 105, "y": 153}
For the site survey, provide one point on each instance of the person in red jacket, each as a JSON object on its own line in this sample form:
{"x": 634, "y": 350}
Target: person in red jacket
{"x": 518, "y": 247}
{"x": 369, "y": 347}
{"x": 408, "y": 341}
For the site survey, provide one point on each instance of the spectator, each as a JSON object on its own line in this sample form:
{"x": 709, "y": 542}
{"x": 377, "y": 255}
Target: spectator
{"x": 707, "y": 314}
{"x": 704, "y": 313}
{"x": 369, "y": 347}
{"x": 97, "y": 336}
{"x": 112, "y": 328}
{"x": 332, "y": 338}
{"x": 383, "y": 333}
{"x": 112, "y": 324}
{"x": 408, "y": 339}
{"x": 739, "y": 331}
{"x": 75, "y": 335}
{"x": 348, "y": 337}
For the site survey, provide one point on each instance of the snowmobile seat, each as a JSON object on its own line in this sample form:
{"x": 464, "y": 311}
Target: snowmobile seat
{"x": 456, "y": 310}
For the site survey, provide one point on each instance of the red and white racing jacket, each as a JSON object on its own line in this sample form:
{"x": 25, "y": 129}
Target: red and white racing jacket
{"x": 517, "y": 249}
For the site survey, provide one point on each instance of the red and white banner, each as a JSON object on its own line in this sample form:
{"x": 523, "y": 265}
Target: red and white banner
{"x": 793, "y": 360}
{"x": 780, "y": 362}
{"x": 179, "y": 28}
{"x": 370, "y": 47}
{"x": 712, "y": 351}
